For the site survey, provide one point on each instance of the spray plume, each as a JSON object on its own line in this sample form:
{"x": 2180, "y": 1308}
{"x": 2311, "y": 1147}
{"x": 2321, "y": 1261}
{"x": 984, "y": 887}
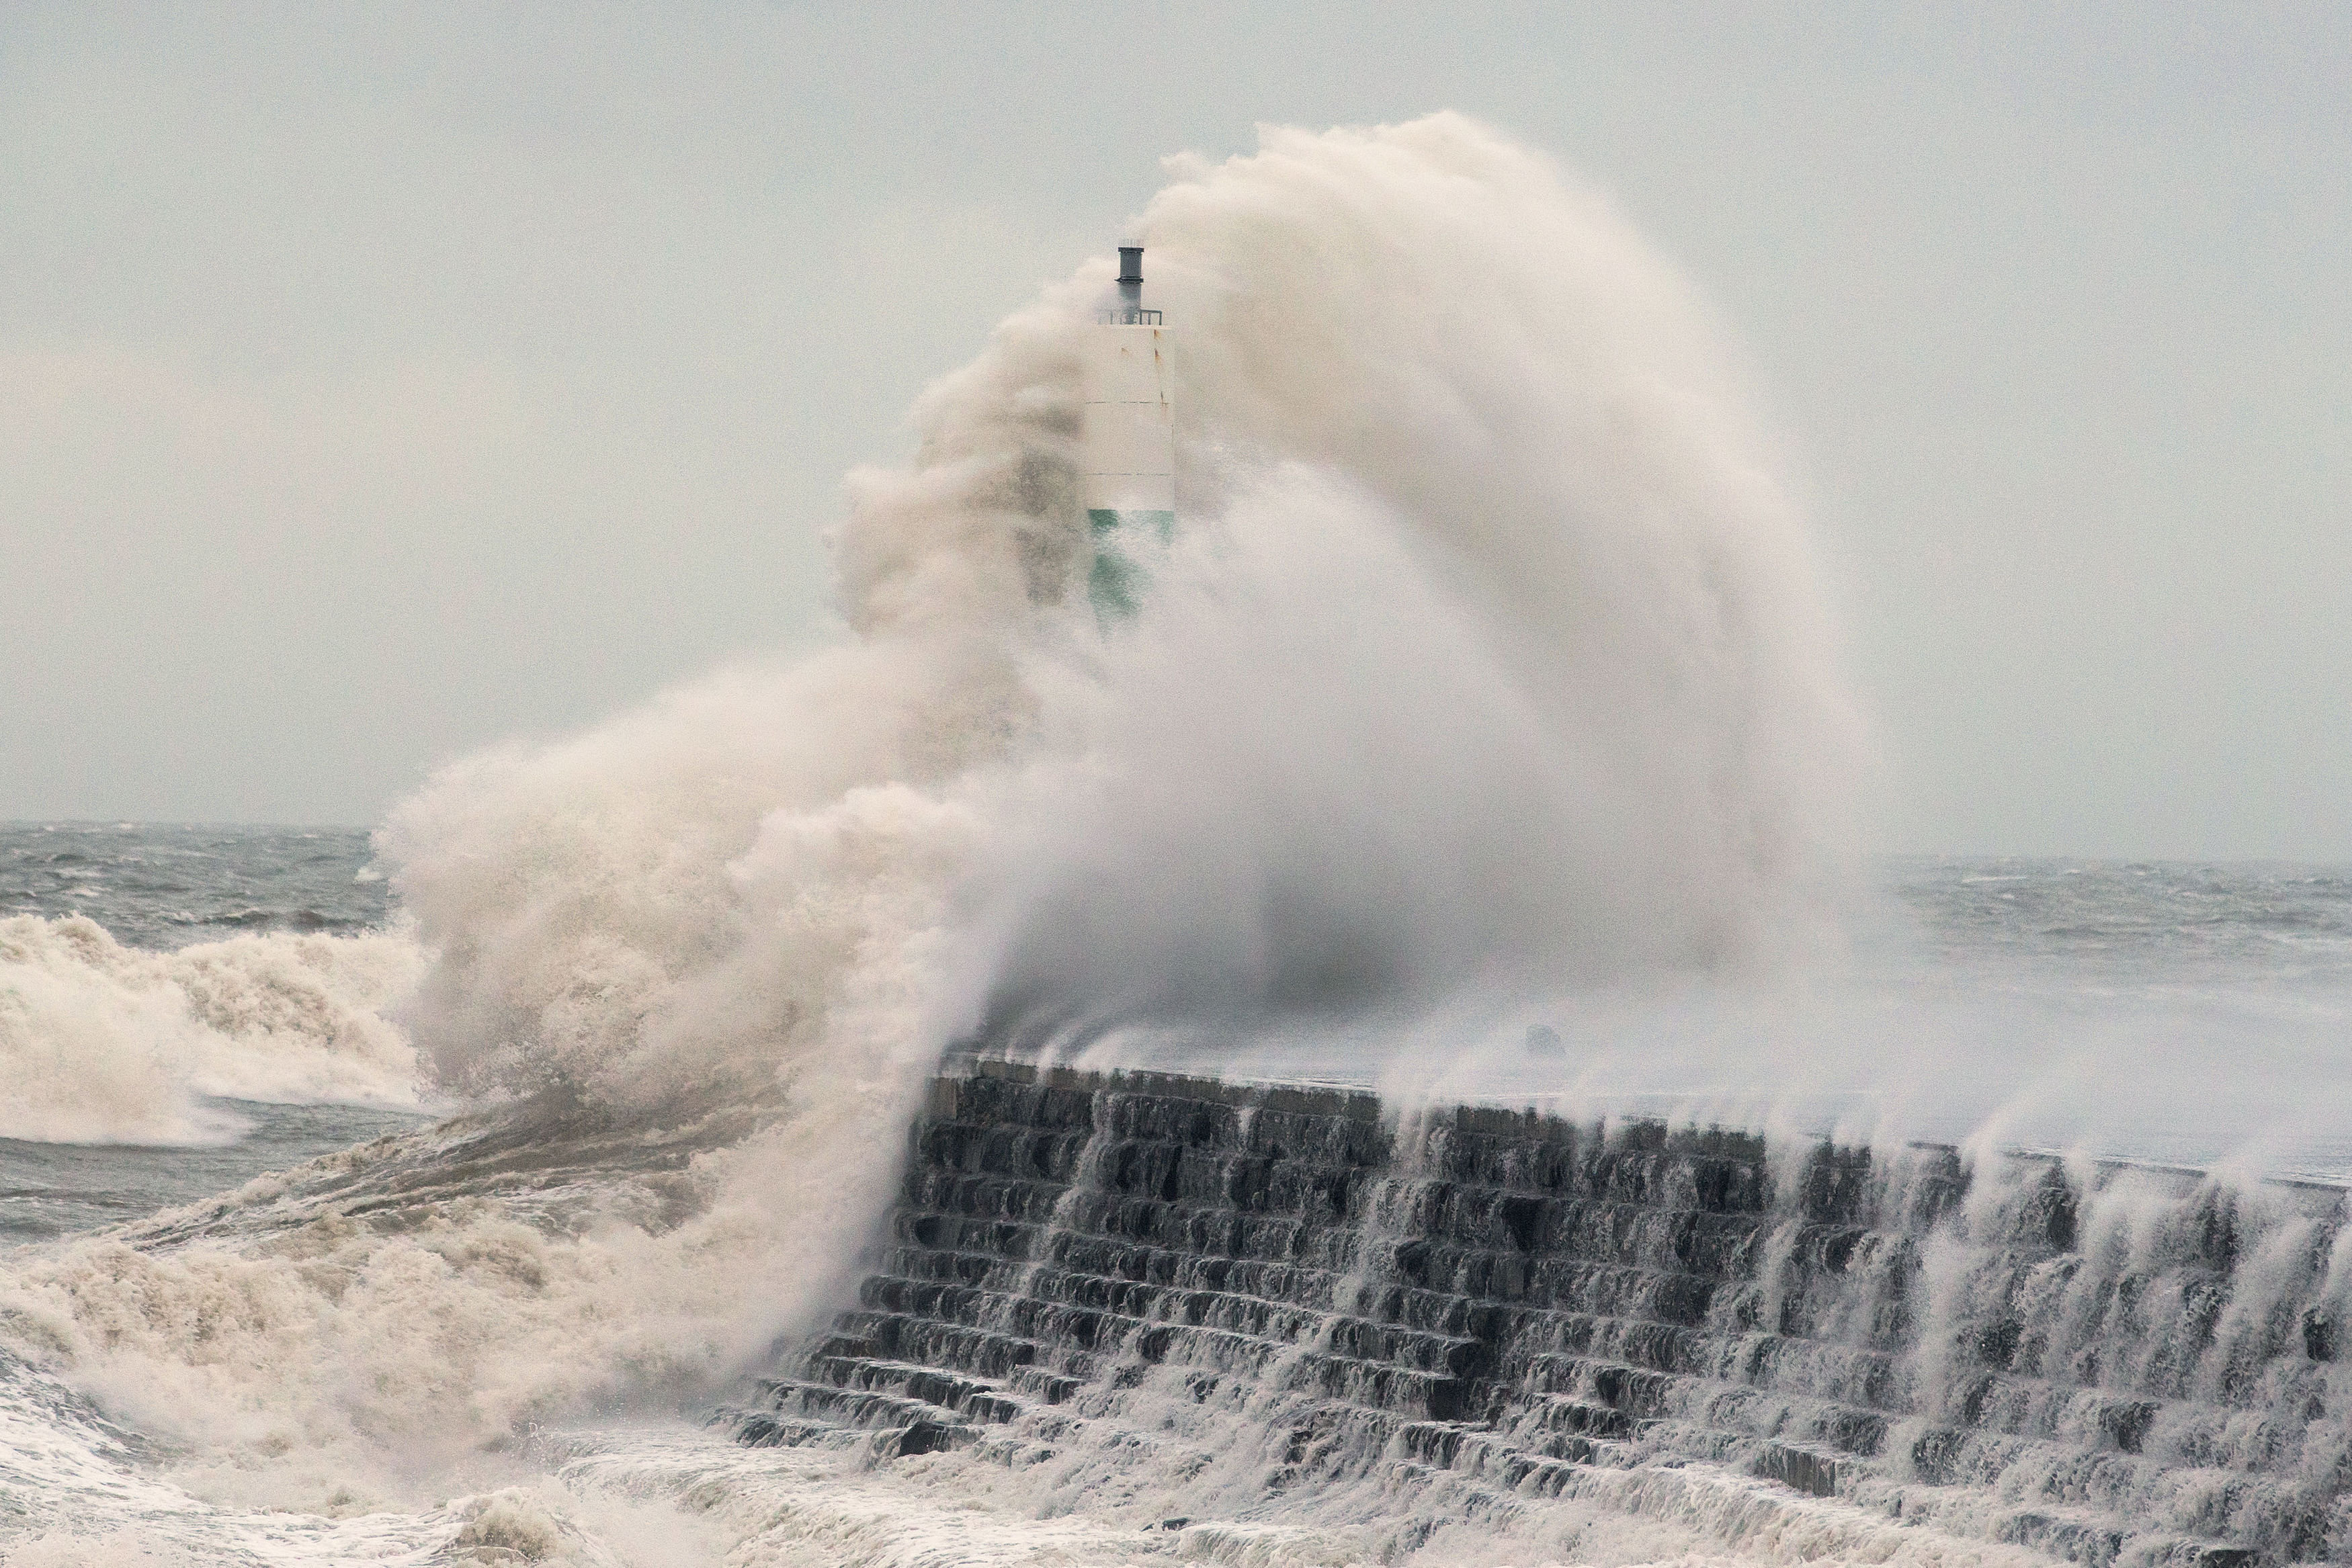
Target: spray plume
{"x": 1490, "y": 650}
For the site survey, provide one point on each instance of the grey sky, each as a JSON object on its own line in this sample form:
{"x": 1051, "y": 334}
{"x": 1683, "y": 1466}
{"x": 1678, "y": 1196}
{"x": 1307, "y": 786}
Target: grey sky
{"x": 377, "y": 384}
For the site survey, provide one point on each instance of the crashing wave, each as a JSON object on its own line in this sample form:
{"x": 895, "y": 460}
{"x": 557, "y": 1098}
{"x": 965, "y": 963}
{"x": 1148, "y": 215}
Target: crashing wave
{"x": 1491, "y": 651}
{"x": 104, "y": 1044}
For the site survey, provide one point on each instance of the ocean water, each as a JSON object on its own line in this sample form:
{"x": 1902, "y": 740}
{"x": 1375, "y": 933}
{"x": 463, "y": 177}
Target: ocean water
{"x": 2168, "y": 1013}
{"x": 1482, "y": 737}
{"x": 2249, "y": 962}
{"x": 642, "y": 1480}
{"x": 162, "y": 887}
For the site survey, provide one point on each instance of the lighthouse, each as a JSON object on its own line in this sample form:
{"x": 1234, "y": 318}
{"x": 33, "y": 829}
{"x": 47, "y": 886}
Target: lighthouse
{"x": 1126, "y": 477}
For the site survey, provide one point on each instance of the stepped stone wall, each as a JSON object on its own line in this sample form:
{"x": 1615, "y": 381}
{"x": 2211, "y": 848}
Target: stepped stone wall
{"x": 2102, "y": 1366}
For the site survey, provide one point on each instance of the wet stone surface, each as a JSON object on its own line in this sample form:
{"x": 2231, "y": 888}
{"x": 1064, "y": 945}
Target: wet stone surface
{"x": 2100, "y": 1365}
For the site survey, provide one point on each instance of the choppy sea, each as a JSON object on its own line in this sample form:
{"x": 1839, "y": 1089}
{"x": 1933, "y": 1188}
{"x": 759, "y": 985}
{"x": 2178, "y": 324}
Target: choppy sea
{"x": 2161, "y": 1011}
{"x": 160, "y": 888}
{"x": 2215, "y": 983}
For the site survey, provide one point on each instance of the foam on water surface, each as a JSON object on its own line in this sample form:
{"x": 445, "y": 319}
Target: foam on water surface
{"x": 1487, "y": 686}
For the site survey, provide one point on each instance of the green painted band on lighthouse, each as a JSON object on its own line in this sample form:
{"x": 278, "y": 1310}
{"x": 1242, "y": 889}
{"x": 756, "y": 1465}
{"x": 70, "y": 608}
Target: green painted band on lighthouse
{"x": 1115, "y": 583}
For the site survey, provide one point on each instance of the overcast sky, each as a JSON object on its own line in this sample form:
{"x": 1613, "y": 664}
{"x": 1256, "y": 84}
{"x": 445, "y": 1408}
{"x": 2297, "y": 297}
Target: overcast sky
{"x": 377, "y": 383}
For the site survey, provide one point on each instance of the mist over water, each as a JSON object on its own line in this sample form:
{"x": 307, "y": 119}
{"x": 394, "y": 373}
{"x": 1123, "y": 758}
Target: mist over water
{"x": 1489, "y": 651}
{"x": 1491, "y": 654}
{"x": 1487, "y": 684}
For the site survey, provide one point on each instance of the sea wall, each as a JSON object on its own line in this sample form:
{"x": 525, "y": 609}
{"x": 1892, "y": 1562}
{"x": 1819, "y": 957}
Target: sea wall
{"x": 1270, "y": 1288}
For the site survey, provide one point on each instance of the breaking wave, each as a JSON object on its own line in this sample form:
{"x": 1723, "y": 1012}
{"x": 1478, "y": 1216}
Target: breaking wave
{"x": 1490, "y": 648}
{"x": 104, "y": 1044}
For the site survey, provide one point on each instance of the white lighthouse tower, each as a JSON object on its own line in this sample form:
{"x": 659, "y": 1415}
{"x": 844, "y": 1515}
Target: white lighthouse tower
{"x": 1127, "y": 478}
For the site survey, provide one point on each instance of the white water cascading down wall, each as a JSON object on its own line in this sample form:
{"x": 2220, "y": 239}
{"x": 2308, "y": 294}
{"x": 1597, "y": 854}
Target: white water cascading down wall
{"x": 1220, "y": 1299}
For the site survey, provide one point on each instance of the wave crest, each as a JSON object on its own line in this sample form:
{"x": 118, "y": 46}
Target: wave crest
{"x": 1488, "y": 647}
{"x": 104, "y": 1044}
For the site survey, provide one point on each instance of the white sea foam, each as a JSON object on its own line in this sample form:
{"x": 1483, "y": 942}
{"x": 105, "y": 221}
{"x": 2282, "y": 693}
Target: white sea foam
{"x": 104, "y": 1044}
{"x": 1489, "y": 648}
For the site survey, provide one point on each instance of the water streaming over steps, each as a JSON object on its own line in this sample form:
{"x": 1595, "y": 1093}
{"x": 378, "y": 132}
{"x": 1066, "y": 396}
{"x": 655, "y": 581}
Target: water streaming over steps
{"x": 1196, "y": 1294}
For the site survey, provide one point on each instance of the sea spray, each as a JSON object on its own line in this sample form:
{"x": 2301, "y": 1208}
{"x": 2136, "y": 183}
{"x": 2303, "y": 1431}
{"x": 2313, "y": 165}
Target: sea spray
{"x": 1491, "y": 650}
